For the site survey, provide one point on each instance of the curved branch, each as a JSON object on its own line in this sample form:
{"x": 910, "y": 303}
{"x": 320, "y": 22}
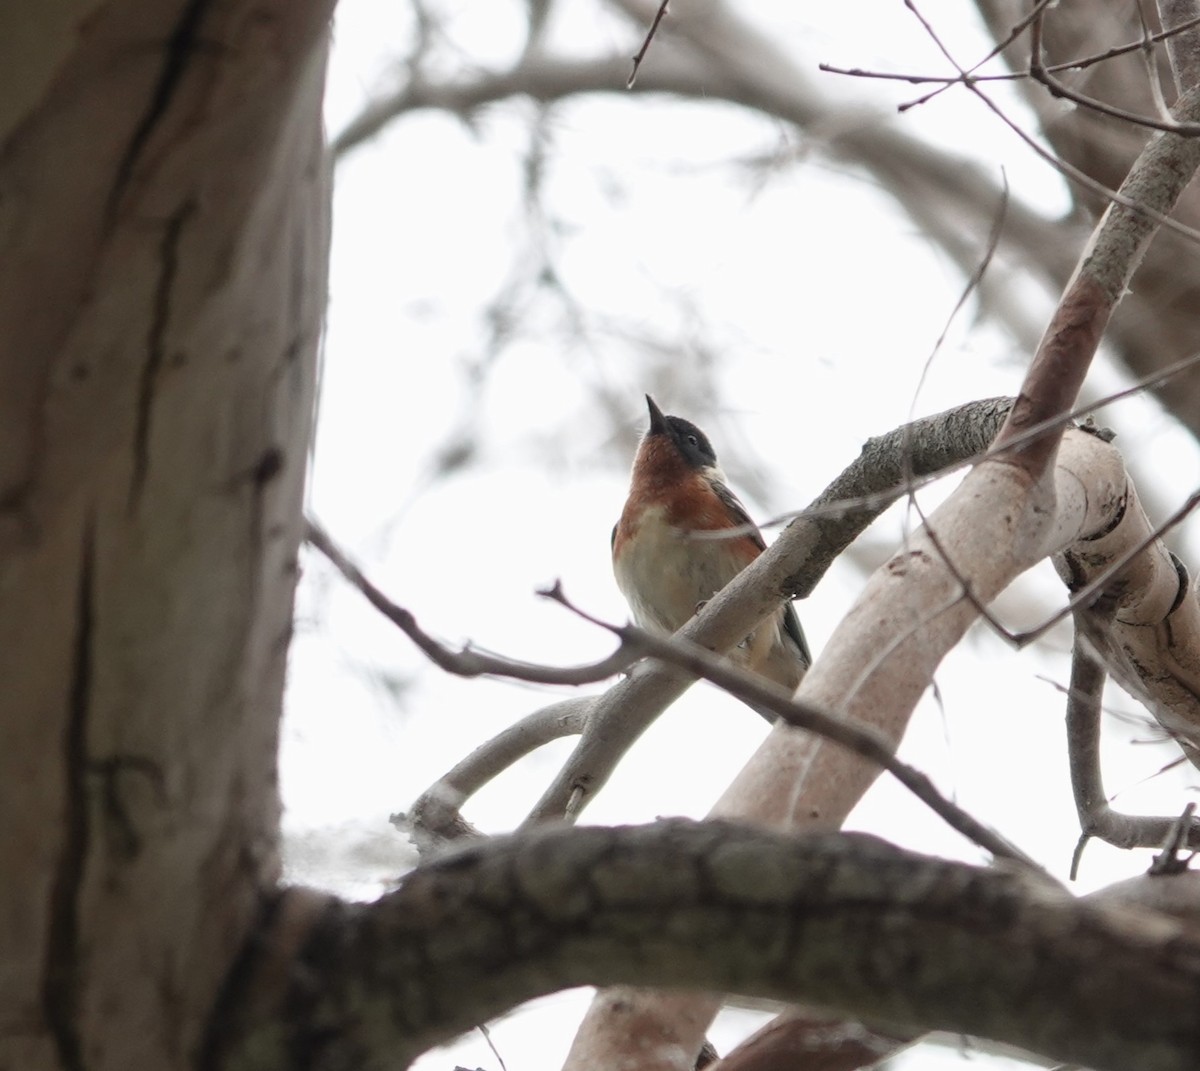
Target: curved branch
{"x": 467, "y": 662}
{"x": 436, "y": 815}
{"x": 1096, "y": 817}
{"x": 918, "y": 175}
{"x": 847, "y": 921}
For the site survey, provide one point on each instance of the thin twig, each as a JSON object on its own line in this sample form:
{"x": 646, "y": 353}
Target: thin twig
{"x": 827, "y": 506}
{"x": 1179, "y": 835}
{"x": 972, "y": 284}
{"x": 965, "y": 74}
{"x": 1081, "y": 178}
{"x": 641, "y": 52}
{"x": 970, "y": 77}
{"x": 466, "y": 662}
{"x": 1186, "y": 105}
{"x": 1039, "y": 73}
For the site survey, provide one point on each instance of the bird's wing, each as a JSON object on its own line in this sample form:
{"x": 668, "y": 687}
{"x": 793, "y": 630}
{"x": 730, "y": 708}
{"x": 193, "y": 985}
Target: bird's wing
{"x": 791, "y": 623}
{"x": 791, "y": 626}
{"x": 738, "y": 512}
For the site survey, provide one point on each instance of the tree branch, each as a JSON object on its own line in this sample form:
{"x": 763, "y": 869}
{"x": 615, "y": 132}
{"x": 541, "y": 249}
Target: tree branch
{"x": 1181, "y": 28}
{"x": 847, "y": 921}
{"x": 467, "y": 662}
{"x": 436, "y": 815}
{"x": 863, "y": 741}
{"x": 1159, "y": 176}
{"x": 1096, "y": 817}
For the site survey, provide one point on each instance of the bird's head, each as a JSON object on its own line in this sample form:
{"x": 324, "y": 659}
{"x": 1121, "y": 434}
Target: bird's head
{"x": 680, "y": 437}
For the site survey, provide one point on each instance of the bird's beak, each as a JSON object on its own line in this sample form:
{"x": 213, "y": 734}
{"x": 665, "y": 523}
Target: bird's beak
{"x": 658, "y": 422}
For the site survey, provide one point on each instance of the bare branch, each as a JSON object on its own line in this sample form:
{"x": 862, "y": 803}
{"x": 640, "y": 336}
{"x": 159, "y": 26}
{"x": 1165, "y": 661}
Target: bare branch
{"x": 1164, "y": 292}
{"x": 1181, "y": 28}
{"x": 845, "y": 920}
{"x": 1012, "y": 76}
{"x": 863, "y": 740}
{"x": 1096, "y": 817}
{"x": 1040, "y": 73}
{"x": 641, "y": 52}
{"x": 1155, "y": 182}
{"x": 435, "y": 817}
{"x": 1105, "y": 572}
{"x": 715, "y": 55}
{"x": 466, "y": 662}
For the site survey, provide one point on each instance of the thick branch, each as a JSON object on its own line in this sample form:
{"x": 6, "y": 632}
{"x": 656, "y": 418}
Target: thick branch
{"x": 1155, "y": 324}
{"x": 1156, "y": 181}
{"x": 846, "y": 921}
{"x": 1183, "y": 44}
{"x": 1143, "y": 618}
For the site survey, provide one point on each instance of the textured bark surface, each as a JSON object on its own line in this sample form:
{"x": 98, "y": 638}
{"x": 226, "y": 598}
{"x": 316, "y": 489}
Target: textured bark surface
{"x": 163, "y": 247}
{"x": 848, "y": 922}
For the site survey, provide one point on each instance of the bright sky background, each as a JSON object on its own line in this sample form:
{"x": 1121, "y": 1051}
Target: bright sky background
{"x": 823, "y": 304}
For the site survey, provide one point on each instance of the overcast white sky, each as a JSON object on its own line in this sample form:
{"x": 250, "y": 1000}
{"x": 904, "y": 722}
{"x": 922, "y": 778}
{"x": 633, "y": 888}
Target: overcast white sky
{"x": 824, "y": 304}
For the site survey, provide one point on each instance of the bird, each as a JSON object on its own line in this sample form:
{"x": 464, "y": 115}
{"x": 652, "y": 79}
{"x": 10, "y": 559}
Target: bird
{"x": 667, "y": 562}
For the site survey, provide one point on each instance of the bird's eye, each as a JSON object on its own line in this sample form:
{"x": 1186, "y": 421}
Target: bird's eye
{"x": 693, "y": 440}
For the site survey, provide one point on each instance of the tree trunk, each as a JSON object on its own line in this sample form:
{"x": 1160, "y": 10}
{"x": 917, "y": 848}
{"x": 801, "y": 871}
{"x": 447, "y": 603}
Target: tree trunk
{"x": 163, "y": 248}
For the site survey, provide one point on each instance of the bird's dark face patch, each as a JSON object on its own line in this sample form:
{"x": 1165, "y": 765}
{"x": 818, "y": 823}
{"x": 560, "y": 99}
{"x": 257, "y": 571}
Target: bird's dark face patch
{"x": 692, "y": 443}
{"x": 688, "y": 440}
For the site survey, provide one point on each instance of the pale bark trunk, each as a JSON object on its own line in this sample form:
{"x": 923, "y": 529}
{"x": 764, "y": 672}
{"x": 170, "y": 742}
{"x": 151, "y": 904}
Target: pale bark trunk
{"x": 163, "y": 248}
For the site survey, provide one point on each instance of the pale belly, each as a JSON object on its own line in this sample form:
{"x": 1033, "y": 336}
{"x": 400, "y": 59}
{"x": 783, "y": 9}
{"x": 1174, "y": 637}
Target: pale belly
{"x": 683, "y": 574}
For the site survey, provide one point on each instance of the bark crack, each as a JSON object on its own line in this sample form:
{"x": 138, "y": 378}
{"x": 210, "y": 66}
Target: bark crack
{"x": 60, "y": 985}
{"x": 156, "y": 342}
{"x": 181, "y": 46}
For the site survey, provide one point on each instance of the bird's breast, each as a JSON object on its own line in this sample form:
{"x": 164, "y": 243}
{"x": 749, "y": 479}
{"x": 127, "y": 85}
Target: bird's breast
{"x": 665, "y": 573}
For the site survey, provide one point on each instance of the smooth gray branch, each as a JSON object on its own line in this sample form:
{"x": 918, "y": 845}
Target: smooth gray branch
{"x": 435, "y": 818}
{"x": 1096, "y": 817}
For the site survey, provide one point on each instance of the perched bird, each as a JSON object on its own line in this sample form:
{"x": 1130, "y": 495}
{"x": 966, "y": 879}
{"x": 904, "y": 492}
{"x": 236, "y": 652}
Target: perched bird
{"x": 666, "y": 573}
